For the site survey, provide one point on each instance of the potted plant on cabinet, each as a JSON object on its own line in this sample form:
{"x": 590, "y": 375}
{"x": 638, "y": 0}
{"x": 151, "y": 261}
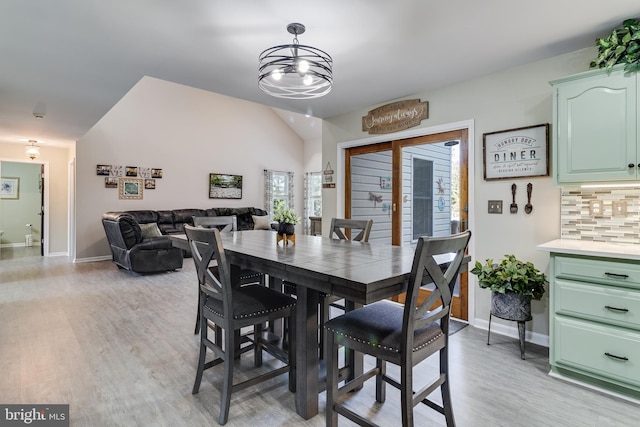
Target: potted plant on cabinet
{"x": 513, "y": 284}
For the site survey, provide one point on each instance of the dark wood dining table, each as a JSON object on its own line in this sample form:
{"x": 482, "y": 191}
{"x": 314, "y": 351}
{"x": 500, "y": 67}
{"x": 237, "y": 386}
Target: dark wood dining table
{"x": 362, "y": 273}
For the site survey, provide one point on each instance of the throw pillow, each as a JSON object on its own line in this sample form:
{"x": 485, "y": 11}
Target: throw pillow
{"x": 150, "y": 230}
{"x": 261, "y": 222}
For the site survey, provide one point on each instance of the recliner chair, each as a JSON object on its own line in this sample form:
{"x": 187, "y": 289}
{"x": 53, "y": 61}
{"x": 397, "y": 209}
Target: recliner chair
{"x": 130, "y": 251}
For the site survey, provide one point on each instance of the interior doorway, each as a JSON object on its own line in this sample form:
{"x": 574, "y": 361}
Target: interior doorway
{"x": 22, "y": 213}
{"x": 412, "y": 187}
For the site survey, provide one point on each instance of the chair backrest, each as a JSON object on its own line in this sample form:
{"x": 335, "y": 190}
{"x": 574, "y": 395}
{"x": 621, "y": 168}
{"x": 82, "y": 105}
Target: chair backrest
{"x": 222, "y": 223}
{"x": 426, "y": 269}
{"x": 206, "y": 249}
{"x": 342, "y": 228}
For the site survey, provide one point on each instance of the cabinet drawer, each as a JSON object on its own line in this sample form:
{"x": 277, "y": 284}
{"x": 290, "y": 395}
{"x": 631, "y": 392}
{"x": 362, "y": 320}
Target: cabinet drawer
{"x": 584, "y": 345}
{"x": 613, "y": 305}
{"x": 599, "y": 270}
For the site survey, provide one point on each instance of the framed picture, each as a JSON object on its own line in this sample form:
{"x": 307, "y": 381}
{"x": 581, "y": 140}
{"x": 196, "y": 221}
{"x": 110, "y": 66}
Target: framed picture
{"x": 131, "y": 171}
{"x": 111, "y": 182}
{"x": 130, "y": 188}
{"x": 150, "y": 184}
{"x": 103, "y": 170}
{"x": 156, "y": 173}
{"x": 223, "y": 186}
{"x": 516, "y": 153}
{"x": 9, "y": 188}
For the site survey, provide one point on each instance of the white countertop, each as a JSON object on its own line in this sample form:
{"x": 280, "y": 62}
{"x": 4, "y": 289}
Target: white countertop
{"x": 585, "y": 247}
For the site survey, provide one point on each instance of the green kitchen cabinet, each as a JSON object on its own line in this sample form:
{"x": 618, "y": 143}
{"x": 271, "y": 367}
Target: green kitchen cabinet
{"x": 596, "y": 137}
{"x": 595, "y": 322}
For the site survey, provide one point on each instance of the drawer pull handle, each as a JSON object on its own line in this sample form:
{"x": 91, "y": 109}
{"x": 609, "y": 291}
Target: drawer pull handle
{"x": 621, "y": 276}
{"x": 623, "y": 310}
{"x": 613, "y": 356}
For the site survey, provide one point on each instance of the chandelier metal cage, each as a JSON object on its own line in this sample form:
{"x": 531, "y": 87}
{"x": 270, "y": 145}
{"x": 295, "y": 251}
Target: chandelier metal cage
{"x": 295, "y": 71}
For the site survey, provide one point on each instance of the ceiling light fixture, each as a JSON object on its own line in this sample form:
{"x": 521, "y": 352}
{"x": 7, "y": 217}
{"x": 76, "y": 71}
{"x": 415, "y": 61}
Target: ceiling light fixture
{"x": 295, "y": 71}
{"x": 33, "y": 150}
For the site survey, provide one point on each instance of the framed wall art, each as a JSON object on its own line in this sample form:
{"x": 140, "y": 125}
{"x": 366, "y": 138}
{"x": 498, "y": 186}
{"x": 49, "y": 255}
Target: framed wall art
{"x": 156, "y": 173}
{"x": 103, "y": 170}
{"x": 516, "y": 153}
{"x": 130, "y": 188}
{"x": 9, "y": 188}
{"x": 110, "y": 182}
{"x": 150, "y": 184}
{"x": 223, "y": 186}
{"x": 131, "y": 171}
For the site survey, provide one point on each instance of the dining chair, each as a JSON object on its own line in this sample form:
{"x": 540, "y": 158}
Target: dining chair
{"x": 357, "y": 230}
{"x": 404, "y": 335}
{"x": 225, "y": 224}
{"x": 231, "y": 308}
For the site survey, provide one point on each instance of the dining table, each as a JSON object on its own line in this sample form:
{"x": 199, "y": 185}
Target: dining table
{"x": 361, "y": 273}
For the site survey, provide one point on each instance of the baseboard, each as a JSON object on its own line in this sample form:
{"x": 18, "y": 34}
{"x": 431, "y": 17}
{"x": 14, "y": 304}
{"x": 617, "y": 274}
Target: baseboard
{"x": 93, "y": 259}
{"x": 18, "y": 245}
{"x": 512, "y": 331}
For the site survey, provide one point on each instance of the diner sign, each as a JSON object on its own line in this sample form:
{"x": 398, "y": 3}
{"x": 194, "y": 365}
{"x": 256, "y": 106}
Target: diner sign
{"x": 516, "y": 153}
{"x": 395, "y": 117}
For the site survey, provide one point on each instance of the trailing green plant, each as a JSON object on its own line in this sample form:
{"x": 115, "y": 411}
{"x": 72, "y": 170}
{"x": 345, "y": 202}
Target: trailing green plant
{"x": 511, "y": 275}
{"x": 287, "y": 216}
{"x": 622, "y": 46}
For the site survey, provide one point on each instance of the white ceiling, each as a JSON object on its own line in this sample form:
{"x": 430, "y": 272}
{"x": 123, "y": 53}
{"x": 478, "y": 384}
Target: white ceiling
{"x": 74, "y": 59}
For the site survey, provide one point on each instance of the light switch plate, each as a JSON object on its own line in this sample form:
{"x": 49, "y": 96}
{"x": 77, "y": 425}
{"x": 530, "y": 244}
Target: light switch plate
{"x": 596, "y": 208}
{"x": 619, "y": 208}
{"x": 495, "y": 206}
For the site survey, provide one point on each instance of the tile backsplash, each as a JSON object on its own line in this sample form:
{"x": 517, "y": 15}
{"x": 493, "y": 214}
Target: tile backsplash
{"x": 579, "y": 224}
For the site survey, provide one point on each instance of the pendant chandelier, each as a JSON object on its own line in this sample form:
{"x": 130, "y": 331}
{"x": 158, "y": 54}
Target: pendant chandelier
{"x": 295, "y": 71}
{"x": 33, "y": 150}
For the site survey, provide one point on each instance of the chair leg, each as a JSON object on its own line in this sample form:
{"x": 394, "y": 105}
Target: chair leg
{"x": 201, "y": 358}
{"x": 406, "y": 394}
{"x": 257, "y": 346}
{"x": 227, "y": 384}
{"x": 197, "y": 328}
{"x": 324, "y": 316}
{"x": 444, "y": 388}
{"x": 332, "y": 380}
{"x": 292, "y": 351}
{"x": 381, "y": 394}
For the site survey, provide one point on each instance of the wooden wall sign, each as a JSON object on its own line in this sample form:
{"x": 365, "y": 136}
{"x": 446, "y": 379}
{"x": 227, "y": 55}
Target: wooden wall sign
{"x": 395, "y": 117}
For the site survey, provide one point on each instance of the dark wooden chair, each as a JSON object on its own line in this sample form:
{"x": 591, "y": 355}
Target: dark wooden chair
{"x": 225, "y": 224}
{"x": 231, "y": 308}
{"x": 357, "y": 230}
{"x": 403, "y": 335}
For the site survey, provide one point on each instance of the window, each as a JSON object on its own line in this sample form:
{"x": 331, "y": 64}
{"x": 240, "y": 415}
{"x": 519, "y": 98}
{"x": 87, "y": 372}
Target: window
{"x": 314, "y": 194}
{"x": 278, "y": 190}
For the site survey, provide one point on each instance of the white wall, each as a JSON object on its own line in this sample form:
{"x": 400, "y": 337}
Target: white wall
{"x": 16, "y": 213}
{"x": 56, "y": 161}
{"x": 512, "y": 98}
{"x": 188, "y": 133}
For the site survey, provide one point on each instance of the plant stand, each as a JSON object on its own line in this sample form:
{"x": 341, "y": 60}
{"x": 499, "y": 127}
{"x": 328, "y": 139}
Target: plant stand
{"x": 510, "y": 306}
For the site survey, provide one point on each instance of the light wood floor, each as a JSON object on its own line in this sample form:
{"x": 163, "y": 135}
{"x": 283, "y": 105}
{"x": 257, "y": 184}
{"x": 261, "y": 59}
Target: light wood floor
{"x": 120, "y": 350}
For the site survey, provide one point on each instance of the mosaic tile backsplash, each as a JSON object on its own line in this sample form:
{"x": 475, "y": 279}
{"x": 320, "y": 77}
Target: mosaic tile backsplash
{"x": 577, "y": 223}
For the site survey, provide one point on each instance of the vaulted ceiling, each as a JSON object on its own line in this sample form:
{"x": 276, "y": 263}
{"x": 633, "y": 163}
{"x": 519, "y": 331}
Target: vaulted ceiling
{"x": 74, "y": 59}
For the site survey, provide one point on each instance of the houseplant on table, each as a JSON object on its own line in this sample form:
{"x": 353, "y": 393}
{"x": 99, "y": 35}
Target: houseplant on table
{"x": 513, "y": 285}
{"x": 287, "y": 219}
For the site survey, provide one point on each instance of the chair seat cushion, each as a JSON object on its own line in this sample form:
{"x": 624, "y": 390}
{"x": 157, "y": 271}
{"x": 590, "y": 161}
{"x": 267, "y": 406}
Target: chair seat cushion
{"x": 253, "y": 301}
{"x": 380, "y": 325}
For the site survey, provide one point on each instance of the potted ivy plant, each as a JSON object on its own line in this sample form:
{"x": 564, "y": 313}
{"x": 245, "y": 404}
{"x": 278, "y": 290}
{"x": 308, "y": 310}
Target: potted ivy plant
{"x": 621, "y": 46}
{"x": 513, "y": 284}
{"x": 287, "y": 219}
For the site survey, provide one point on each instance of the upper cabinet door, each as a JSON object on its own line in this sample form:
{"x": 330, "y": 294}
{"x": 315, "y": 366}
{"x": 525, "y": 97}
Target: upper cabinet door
{"x": 596, "y": 131}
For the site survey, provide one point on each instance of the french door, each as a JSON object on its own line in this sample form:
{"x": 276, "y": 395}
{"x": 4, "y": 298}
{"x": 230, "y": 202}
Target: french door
{"x": 410, "y": 188}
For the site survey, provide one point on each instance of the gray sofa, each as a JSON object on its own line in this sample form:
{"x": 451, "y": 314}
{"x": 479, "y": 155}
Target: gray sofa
{"x": 151, "y": 252}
